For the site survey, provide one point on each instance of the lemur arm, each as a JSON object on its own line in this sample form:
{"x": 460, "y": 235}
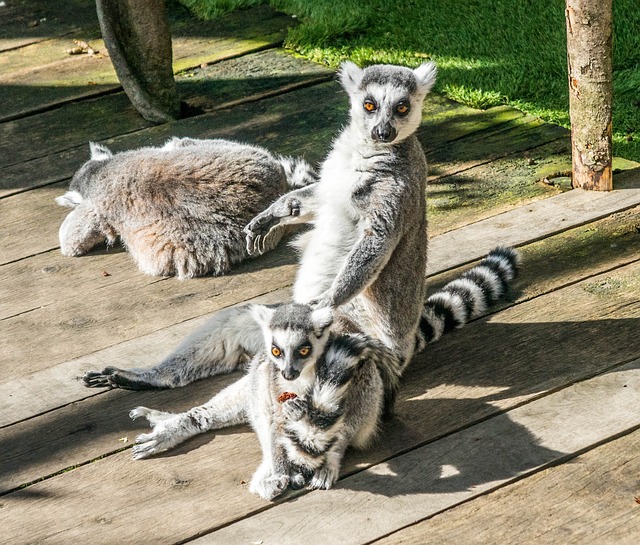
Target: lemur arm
{"x": 382, "y": 232}
{"x": 297, "y": 206}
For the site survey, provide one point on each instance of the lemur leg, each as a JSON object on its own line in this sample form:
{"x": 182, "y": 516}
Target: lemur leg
{"x": 227, "y": 408}
{"x": 327, "y": 474}
{"x": 272, "y": 476}
{"x": 298, "y": 206}
{"x": 80, "y": 231}
{"x": 225, "y": 343}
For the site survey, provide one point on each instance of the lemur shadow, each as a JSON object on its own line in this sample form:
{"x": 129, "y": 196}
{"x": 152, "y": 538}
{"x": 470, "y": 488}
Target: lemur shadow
{"x": 482, "y": 371}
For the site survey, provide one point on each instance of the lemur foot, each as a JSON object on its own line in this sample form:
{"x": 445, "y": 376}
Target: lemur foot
{"x": 267, "y": 484}
{"x": 259, "y": 227}
{"x": 164, "y": 435}
{"x": 112, "y": 377}
{"x": 323, "y": 479}
{"x": 297, "y": 481}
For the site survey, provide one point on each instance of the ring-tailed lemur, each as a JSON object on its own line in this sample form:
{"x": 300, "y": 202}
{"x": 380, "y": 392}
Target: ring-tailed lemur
{"x": 366, "y": 253}
{"x": 179, "y": 209}
{"x": 309, "y": 394}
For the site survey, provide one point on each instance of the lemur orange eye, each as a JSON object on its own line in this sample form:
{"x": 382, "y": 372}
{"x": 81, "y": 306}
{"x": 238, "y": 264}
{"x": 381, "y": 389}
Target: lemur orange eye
{"x": 276, "y": 351}
{"x": 304, "y": 351}
{"x": 402, "y": 108}
{"x": 369, "y": 105}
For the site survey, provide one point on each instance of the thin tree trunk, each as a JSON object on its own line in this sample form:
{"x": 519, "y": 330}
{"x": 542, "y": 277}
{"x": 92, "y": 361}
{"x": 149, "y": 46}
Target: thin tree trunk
{"x": 589, "y": 55}
{"x": 138, "y": 38}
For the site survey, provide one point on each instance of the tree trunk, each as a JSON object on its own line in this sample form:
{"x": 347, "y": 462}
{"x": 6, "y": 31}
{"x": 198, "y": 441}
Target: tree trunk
{"x": 589, "y": 52}
{"x": 138, "y": 38}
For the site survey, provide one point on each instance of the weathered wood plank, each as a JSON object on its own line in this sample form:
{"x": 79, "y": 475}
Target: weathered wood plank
{"x": 66, "y": 439}
{"x": 97, "y": 319}
{"x": 591, "y": 499}
{"x": 548, "y": 265}
{"x": 550, "y": 345}
{"x": 44, "y": 75}
{"x": 412, "y": 486}
{"x": 445, "y": 121}
{"x": 532, "y": 222}
{"x": 29, "y": 21}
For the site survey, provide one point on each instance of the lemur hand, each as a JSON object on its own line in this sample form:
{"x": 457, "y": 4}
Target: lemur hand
{"x": 294, "y": 409}
{"x": 259, "y": 227}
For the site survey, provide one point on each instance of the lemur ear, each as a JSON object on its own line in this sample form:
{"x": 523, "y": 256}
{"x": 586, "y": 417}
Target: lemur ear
{"x": 70, "y": 199}
{"x": 426, "y": 76}
{"x": 99, "y": 152}
{"x": 321, "y": 318}
{"x": 261, "y": 314}
{"x": 350, "y": 76}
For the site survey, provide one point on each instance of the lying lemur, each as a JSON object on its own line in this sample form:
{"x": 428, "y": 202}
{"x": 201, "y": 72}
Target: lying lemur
{"x": 366, "y": 254}
{"x": 311, "y": 392}
{"x": 179, "y": 209}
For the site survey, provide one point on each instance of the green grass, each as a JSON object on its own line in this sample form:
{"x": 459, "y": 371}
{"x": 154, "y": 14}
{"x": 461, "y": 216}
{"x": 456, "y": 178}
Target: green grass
{"x": 489, "y": 52}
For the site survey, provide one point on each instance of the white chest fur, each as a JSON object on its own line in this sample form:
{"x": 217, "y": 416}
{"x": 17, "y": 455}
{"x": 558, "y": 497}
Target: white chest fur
{"x": 338, "y": 224}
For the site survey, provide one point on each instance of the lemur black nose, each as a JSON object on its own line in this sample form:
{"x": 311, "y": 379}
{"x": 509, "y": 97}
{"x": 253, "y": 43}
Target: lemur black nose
{"x": 384, "y": 133}
{"x": 290, "y": 374}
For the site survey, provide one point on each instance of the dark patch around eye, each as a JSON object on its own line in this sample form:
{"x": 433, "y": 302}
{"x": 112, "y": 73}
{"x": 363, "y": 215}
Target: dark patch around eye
{"x": 304, "y": 350}
{"x": 276, "y": 351}
{"x": 403, "y": 107}
{"x": 370, "y": 105}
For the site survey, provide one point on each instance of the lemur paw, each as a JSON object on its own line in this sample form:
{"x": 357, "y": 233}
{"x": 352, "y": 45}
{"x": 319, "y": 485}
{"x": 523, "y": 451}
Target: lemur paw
{"x": 112, "y": 377}
{"x": 100, "y": 379}
{"x": 259, "y": 227}
{"x": 164, "y": 435}
{"x": 323, "y": 478}
{"x": 297, "y": 481}
{"x": 294, "y": 409}
{"x": 268, "y": 485}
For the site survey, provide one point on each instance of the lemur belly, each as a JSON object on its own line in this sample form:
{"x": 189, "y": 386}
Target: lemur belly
{"x": 335, "y": 230}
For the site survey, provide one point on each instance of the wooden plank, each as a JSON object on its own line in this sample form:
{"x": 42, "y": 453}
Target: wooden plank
{"x": 140, "y": 305}
{"x": 71, "y": 125}
{"x": 532, "y": 222}
{"x": 30, "y": 21}
{"x": 548, "y": 265}
{"x": 57, "y": 77}
{"x": 437, "y": 399}
{"x": 173, "y": 494}
{"x": 36, "y": 393}
{"x": 282, "y": 123}
{"x": 591, "y": 499}
{"x": 66, "y": 439}
{"x": 454, "y": 469}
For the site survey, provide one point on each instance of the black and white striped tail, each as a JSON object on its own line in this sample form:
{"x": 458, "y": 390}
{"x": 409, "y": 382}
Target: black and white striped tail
{"x": 469, "y": 296}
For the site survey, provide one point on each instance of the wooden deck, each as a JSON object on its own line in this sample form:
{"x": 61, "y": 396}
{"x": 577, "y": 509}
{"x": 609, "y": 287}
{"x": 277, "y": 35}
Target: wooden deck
{"x": 524, "y": 427}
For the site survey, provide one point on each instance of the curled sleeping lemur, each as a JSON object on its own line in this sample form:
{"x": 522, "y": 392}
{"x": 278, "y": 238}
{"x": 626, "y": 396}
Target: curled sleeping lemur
{"x": 179, "y": 209}
{"x": 366, "y": 253}
{"x": 311, "y": 392}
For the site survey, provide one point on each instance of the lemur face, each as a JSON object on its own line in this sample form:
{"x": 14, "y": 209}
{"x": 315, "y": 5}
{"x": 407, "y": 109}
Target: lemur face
{"x": 386, "y": 101}
{"x": 295, "y": 335}
{"x": 292, "y": 350}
